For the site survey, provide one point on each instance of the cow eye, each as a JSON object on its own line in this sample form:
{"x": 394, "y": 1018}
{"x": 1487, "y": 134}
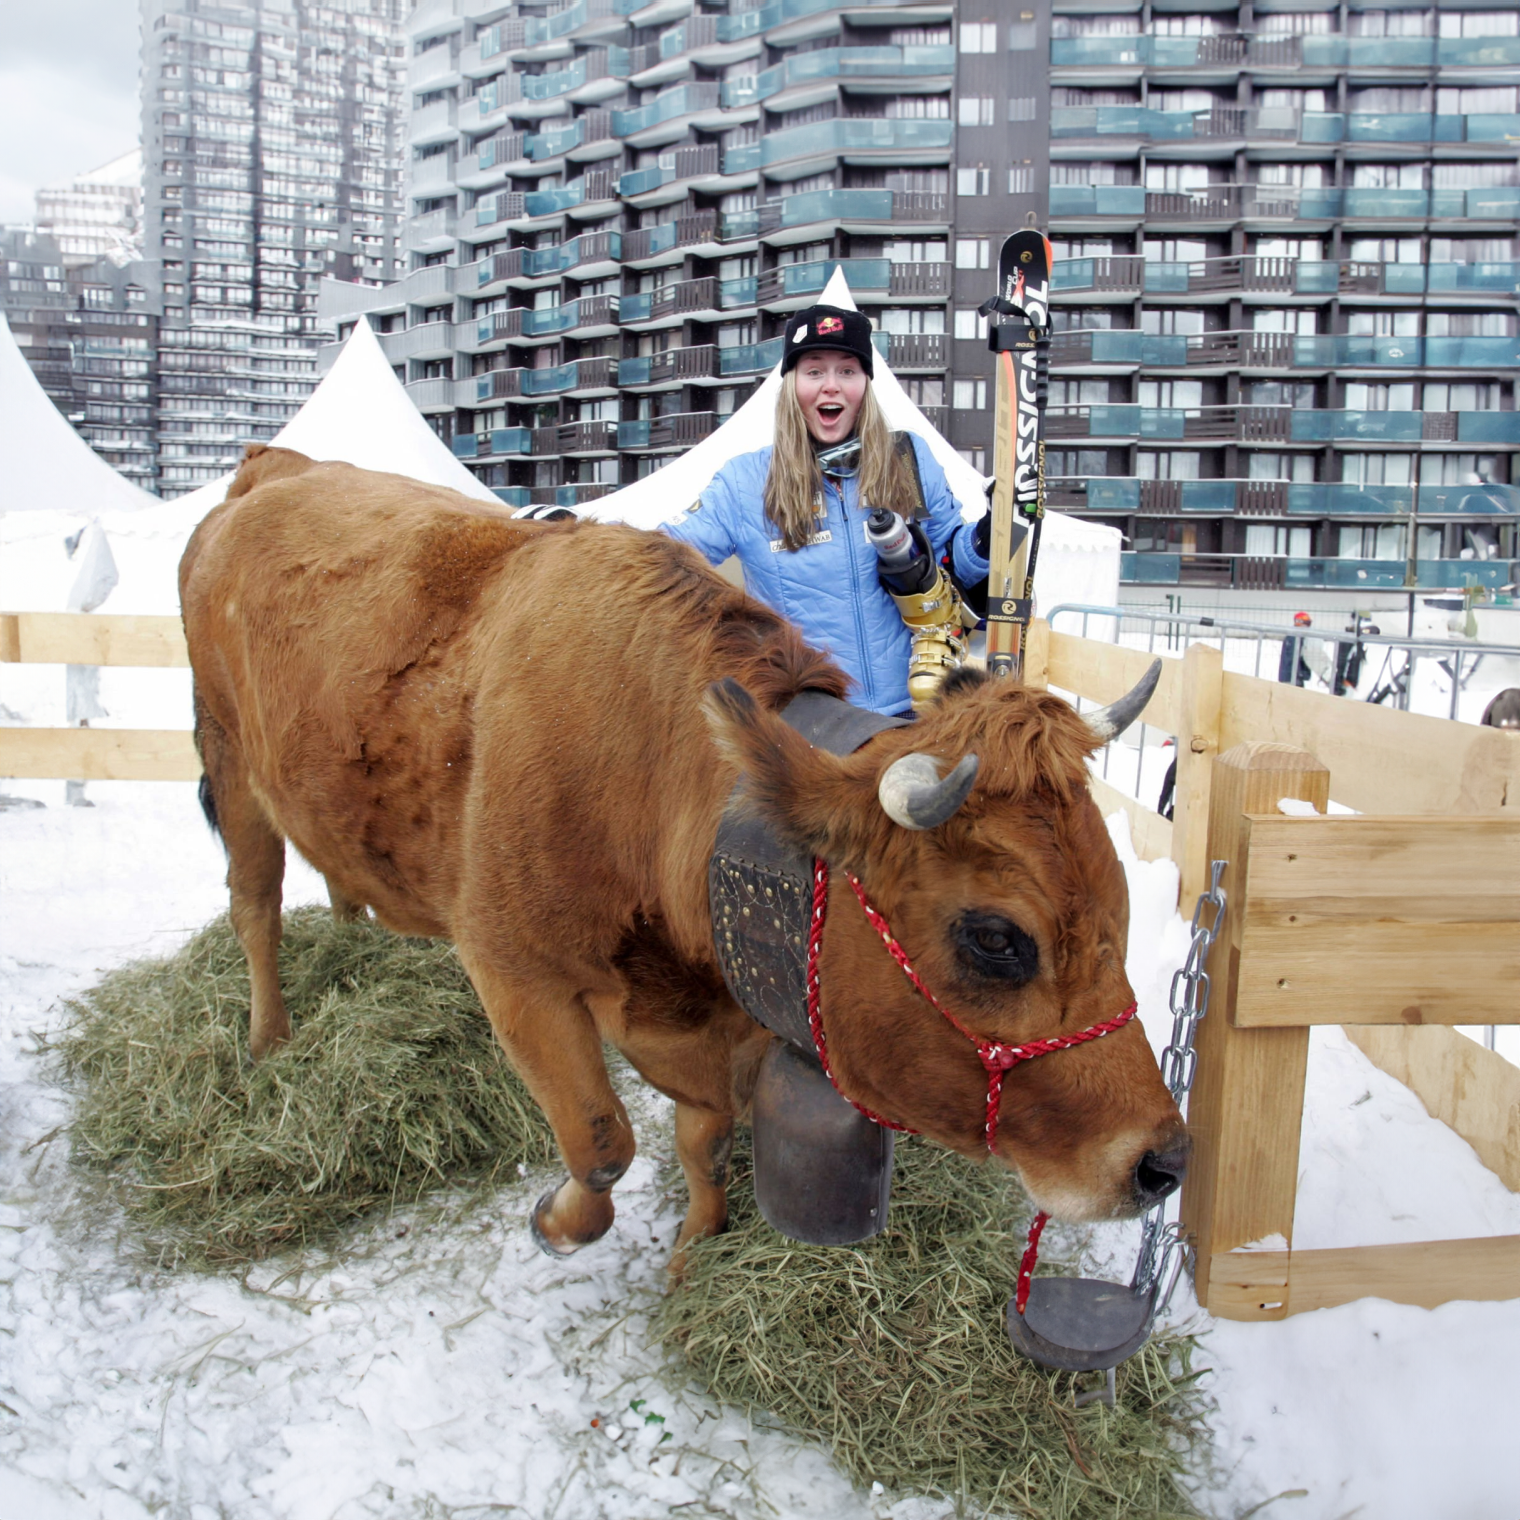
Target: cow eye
{"x": 991, "y": 945}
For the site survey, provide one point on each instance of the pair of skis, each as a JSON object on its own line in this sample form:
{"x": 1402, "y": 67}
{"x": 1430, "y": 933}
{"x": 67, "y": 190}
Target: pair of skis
{"x": 1018, "y": 332}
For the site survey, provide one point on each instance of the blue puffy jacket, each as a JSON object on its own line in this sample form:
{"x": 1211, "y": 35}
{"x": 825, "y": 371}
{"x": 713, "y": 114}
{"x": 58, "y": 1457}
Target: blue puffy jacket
{"x": 829, "y": 587}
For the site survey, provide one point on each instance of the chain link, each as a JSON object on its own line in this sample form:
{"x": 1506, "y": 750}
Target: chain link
{"x": 1161, "y": 1244}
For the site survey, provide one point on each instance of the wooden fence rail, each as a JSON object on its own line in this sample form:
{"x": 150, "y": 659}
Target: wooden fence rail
{"x": 95, "y": 754}
{"x": 1404, "y": 921}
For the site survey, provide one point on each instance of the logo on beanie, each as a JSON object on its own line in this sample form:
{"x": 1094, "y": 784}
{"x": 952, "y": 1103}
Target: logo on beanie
{"x": 800, "y": 334}
{"x": 830, "y": 325}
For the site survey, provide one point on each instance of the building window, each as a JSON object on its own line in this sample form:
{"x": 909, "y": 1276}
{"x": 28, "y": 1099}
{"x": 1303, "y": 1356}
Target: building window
{"x": 976, "y": 458}
{"x": 972, "y": 253}
{"x": 1021, "y": 108}
{"x": 975, "y": 111}
{"x": 1169, "y": 464}
{"x": 970, "y": 324}
{"x": 978, "y": 36}
{"x": 970, "y": 395}
{"x": 1021, "y": 180}
{"x": 973, "y": 181}
{"x": 1021, "y": 33}
{"x": 1267, "y": 541}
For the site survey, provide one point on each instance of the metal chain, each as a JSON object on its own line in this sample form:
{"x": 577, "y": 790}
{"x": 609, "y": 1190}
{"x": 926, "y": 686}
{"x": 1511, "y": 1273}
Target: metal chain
{"x": 1161, "y": 1244}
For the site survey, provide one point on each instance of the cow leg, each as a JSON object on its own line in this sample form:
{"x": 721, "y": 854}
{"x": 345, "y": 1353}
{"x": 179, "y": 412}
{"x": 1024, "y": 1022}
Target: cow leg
{"x": 255, "y": 875}
{"x": 704, "y": 1142}
{"x": 345, "y": 910}
{"x": 558, "y": 1052}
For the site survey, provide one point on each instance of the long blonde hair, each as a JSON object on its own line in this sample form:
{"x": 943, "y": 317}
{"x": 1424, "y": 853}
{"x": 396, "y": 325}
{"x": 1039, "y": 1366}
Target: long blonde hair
{"x": 795, "y": 483}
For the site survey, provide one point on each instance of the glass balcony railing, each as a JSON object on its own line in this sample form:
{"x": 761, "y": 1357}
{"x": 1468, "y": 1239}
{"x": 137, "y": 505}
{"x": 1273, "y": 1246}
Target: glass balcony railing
{"x": 637, "y": 308}
{"x": 826, "y": 205}
{"x": 640, "y": 181}
{"x": 1333, "y": 499}
{"x": 560, "y": 82}
{"x": 1150, "y": 569}
{"x": 683, "y": 100}
{"x": 498, "y": 441}
{"x": 1363, "y": 201}
{"x": 737, "y": 226}
{"x": 904, "y": 62}
{"x": 1497, "y": 276}
{"x": 512, "y": 496}
{"x": 750, "y": 358}
{"x": 549, "y": 202}
{"x": 853, "y": 135}
{"x": 1478, "y": 52}
{"x": 635, "y": 434}
{"x": 550, "y": 144}
{"x": 1084, "y": 200}
{"x": 741, "y": 160}
{"x": 733, "y": 294}
{"x": 1338, "y": 573}
{"x": 1471, "y": 500}
{"x": 633, "y": 371}
{"x": 808, "y": 279}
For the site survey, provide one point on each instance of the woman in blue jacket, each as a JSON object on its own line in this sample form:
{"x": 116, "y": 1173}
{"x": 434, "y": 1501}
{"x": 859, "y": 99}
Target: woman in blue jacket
{"x": 794, "y": 513}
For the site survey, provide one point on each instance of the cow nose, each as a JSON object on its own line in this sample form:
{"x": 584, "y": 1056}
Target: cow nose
{"x": 1158, "y": 1173}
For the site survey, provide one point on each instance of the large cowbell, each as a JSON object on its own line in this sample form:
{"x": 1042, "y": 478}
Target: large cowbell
{"x": 823, "y": 1171}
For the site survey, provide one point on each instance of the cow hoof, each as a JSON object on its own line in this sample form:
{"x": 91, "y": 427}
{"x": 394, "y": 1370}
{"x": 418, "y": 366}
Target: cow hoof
{"x": 541, "y": 1240}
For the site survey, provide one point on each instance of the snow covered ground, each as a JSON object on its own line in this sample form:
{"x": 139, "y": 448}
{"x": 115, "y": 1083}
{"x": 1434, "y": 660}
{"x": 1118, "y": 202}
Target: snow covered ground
{"x": 444, "y": 1367}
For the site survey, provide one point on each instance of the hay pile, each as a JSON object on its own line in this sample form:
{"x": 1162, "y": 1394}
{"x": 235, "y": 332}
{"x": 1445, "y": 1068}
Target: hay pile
{"x": 895, "y": 1355}
{"x": 391, "y": 1085}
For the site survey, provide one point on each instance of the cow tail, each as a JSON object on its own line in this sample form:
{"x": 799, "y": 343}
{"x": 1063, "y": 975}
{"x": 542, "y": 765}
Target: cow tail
{"x": 208, "y": 805}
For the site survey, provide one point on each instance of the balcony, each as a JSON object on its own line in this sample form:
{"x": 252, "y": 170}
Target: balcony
{"x": 675, "y": 366}
{"x": 433, "y": 231}
{"x": 1227, "y": 50}
{"x": 914, "y": 141}
{"x": 691, "y": 231}
{"x": 585, "y": 316}
{"x": 681, "y": 430}
{"x": 505, "y": 206}
{"x": 918, "y": 351}
{"x": 910, "y": 282}
{"x": 431, "y": 395}
{"x": 499, "y": 385}
{"x": 1279, "y": 276}
{"x": 504, "y": 148}
{"x": 689, "y": 163}
{"x": 681, "y": 299}
{"x": 689, "y": 99}
{"x": 750, "y": 358}
{"x": 1281, "y": 424}
{"x": 891, "y": 62}
{"x": 496, "y": 443}
{"x": 585, "y": 191}
{"x": 793, "y": 285}
{"x": 585, "y": 437}
{"x": 886, "y": 207}
{"x": 580, "y": 376}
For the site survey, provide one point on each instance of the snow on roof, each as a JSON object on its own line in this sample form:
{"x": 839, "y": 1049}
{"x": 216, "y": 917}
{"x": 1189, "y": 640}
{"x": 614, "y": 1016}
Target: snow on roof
{"x": 48, "y": 466}
{"x": 126, "y": 171}
{"x": 661, "y": 495}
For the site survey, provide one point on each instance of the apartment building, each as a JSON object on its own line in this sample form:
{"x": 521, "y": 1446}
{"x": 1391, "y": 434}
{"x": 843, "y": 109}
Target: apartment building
{"x": 97, "y": 214}
{"x": 271, "y": 137}
{"x": 1286, "y": 326}
{"x": 89, "y": 333}
{"x": 1285, "y": 339}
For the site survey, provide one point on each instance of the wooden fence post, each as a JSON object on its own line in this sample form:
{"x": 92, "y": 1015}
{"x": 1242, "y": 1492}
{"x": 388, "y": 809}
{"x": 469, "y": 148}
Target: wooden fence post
{"x": 1197, "y": 749}
{"x": 1247, "y": 1100}
{"x": 1037, "y": 654}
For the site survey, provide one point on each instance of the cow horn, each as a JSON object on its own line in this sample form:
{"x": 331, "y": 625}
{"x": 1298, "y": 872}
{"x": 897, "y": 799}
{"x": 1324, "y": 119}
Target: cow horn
{"x": 913, "y": 793}
{"x": 1111, "y": 721}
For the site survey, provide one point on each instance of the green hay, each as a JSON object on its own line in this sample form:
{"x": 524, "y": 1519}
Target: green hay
{"x": 895, "y": 1355}
{"x": 391, "y": 1084}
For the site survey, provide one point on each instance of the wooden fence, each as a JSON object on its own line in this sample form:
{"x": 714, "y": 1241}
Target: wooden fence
{"x": 1404, "y": 920}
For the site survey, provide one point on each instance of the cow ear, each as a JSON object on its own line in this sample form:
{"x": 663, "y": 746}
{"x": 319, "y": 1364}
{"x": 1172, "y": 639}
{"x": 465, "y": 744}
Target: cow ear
{"x": 810, "y": 797}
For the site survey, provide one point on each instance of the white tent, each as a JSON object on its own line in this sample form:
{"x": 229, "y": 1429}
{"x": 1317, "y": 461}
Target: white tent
{"x": 48, "y": 467}
{"x": 359, "y": 413}
{"x": 1078, "y": 562}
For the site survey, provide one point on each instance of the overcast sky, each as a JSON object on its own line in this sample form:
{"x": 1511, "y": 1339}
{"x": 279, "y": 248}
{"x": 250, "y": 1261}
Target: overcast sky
{"x": 68, "y": 93}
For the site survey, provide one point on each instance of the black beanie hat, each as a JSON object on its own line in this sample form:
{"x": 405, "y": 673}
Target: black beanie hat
{"x": 828, "y": 327}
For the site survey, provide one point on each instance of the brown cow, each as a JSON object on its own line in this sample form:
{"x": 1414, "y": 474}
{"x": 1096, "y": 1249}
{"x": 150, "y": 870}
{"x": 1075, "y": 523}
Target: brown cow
{"x": 502, "y": 733}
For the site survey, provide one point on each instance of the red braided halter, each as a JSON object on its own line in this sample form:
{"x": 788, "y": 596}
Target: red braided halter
{"x": 997, "y": 1059}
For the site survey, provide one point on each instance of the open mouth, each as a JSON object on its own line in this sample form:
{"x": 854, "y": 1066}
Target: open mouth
{"x": 830, "y": 411}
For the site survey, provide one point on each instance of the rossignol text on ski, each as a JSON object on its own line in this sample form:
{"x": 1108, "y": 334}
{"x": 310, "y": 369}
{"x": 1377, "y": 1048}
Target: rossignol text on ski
{"x": 1018, "y": 333}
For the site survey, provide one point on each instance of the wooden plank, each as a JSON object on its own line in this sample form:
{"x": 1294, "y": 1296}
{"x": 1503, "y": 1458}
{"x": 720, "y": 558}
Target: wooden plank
{"x": 99, "y": 754}
{"x": 80, "y": 638}
{"x": 1473, "y": 1091}
{"x": 1247, "y": 1101}
{"x": 1037, "y": 654}
{"x": 1104, "y": 672}
{"x": 1149, "y": 831}
{"x": 1379, "y": 921}
{"x": 1249, "y": 1284}
{"x": 1197, "y": 750}
{"x": 1427, "y": 1273}
{"x": 1384, "y": 761}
